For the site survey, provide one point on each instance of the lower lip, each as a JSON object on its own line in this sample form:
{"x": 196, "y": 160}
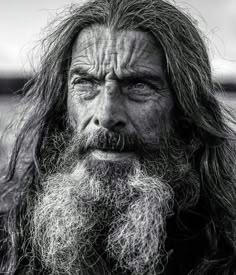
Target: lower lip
{"x": 112, "y": 156}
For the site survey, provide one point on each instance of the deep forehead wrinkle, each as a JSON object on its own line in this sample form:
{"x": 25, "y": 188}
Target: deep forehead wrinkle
{"x": 104, "y": 49}
{"x": 96, "y": 33}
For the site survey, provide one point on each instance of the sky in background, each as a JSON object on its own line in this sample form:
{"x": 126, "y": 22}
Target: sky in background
{"x": 22, "y": 23}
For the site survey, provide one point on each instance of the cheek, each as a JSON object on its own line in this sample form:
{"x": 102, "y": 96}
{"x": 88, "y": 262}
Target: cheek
{"x": 151, "y": 119}
{"x": 79, "y": 111}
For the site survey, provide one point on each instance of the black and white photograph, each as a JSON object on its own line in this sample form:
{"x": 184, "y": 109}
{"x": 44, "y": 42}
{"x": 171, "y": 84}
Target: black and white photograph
{"x": 118, "y": 137}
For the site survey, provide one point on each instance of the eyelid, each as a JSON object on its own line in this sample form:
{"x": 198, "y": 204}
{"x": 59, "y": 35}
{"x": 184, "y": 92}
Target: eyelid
{"x": 136, "y": 81}
{"x": 82, "y": 74}
{"x": 152, "y": 81}
{"x": 83, "y": 78}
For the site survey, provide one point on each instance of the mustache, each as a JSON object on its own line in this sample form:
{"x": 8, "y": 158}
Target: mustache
{"x": 105, "y": 140}
{"x": 79, "y": 144}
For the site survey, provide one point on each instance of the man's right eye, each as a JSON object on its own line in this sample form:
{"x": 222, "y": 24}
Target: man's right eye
{"x": 83, "y": 82}
{"x": 85, "y": 88}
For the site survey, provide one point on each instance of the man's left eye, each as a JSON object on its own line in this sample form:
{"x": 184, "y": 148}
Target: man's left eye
{"x": 138, "y": 85}
{"x": 139, "y": 91}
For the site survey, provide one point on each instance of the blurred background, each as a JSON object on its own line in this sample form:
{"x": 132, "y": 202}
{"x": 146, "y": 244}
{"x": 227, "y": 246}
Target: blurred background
{"x": 21, "y": 27}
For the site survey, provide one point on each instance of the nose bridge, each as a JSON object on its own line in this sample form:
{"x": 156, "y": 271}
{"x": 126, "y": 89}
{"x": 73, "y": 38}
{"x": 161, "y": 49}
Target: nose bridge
{"x": 109, "y": 110}
{"x": 109, "y": 104}
{"x": 111, "y": 88}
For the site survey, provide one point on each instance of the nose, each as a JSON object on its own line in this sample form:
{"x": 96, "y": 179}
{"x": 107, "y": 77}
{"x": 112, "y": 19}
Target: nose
{"x": 110, "y": 110}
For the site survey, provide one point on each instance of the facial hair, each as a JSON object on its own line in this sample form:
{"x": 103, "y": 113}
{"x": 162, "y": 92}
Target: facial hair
{"x": 103, "y": 218}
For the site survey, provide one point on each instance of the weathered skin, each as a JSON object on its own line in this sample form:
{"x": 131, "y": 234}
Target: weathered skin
{"x": 117, "y": 81}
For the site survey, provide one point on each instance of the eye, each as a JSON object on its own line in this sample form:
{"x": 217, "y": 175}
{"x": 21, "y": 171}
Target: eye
{"x": 85, "y": 88}
{"x": 82, "y": 82}
{"x": 139, "y": 90}
{"x": 137, "y": 85}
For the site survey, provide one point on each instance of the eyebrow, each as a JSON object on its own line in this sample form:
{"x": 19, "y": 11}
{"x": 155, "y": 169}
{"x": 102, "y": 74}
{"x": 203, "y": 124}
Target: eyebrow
{"x": 80, "y": 71}
{"x": 143, "y": 75}
{"x": 131, "y": 75}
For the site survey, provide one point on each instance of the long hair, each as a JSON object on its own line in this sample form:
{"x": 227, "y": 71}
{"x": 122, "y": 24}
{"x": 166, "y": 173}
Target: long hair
{"x": 199, "y": 120}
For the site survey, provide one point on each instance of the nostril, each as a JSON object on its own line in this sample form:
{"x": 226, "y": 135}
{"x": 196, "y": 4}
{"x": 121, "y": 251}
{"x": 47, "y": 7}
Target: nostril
{"x": 96, "y": 122}
{"x": 119, "y": 125}
{"x": 110, "y": 124}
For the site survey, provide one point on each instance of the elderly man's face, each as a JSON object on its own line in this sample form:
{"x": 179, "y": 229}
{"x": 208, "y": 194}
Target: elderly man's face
{"x": 117, "y": 82}
{"x": 112, "y": 185}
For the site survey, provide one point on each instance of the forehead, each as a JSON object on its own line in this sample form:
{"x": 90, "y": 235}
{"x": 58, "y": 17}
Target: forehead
{"x": 99, "y": 46}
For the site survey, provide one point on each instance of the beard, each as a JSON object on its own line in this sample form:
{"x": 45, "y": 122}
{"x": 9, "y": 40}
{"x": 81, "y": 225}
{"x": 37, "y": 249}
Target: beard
{"x": 105, "y": 217}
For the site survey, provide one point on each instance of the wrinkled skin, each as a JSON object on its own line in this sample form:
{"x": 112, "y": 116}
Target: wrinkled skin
{"x": 117, "y": 82}
{"x": 111, "y": 200}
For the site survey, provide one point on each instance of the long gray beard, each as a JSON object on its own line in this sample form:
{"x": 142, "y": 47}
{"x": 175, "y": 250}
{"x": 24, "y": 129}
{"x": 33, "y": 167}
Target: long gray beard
{"x": 84, "y": 225}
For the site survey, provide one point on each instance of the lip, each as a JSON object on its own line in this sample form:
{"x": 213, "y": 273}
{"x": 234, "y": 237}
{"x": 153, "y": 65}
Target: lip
{"x": 111, "y": 155}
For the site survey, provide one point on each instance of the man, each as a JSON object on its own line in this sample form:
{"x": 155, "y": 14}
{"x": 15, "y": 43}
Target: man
{"x": 8, "y": 111}
{"x": 133, "y": 164}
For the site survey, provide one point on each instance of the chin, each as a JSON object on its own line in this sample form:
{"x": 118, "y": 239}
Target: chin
{"x": 110, "y": 166}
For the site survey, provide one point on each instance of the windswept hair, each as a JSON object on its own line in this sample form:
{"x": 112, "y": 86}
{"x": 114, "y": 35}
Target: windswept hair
{"x": 199, "y": 120}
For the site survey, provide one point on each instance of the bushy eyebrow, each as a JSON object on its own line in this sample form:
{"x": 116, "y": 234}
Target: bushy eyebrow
{"x": 126, "y": 77}
{"x": 143, "y": 76}
{"x": 80, "y": 71}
